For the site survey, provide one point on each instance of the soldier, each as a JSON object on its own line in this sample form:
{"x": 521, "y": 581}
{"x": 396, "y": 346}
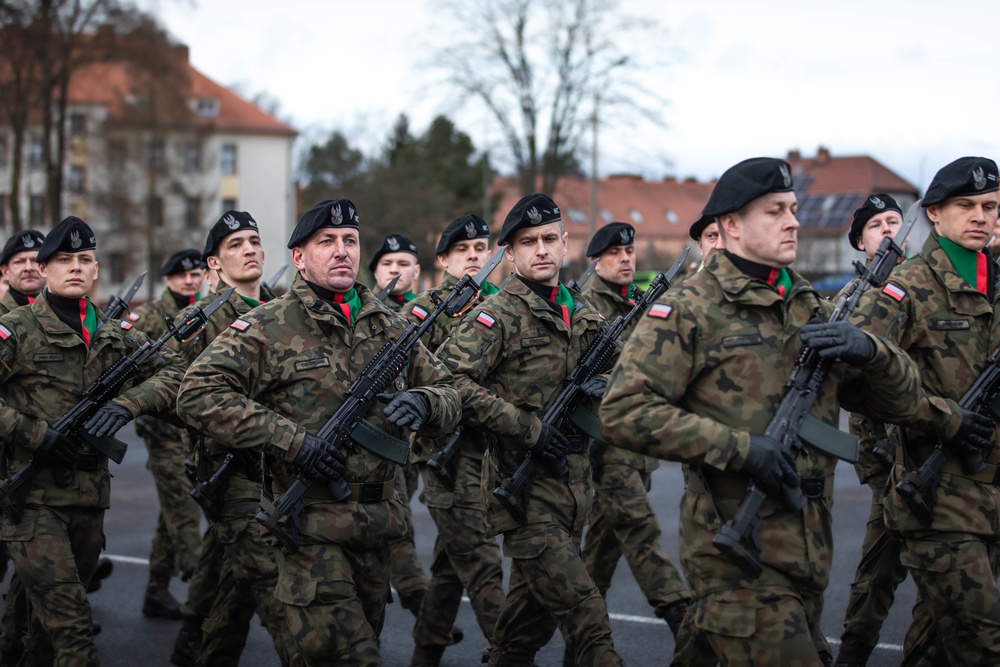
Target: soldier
{"x": 705, "y": 232}
{"x": 397, "y": 256}
{"x": 623, "y": 520}
{"x": 19, "y": 267}
{"x": 293, "y": 360}
{"x": 465, "y": 557}
{"x": 701, "y": 376}
{"x": 50, "y": 352}
{"x": 510, "y": 356}
{"x": 940, "y": 307}
{"x": 177, "y": 539}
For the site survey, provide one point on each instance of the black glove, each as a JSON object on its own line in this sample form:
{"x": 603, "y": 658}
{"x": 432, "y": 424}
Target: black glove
{"x": 769, "y": 466}
{"x": 595, "y": 386}
{"x": 841, "y": 340}
{"x": 974, "y": 434}
{"x": 318, "y": 460}
{"x": 551, "y": 445}
{"x": 406, "y": 408}
{"x": 106, "y": 421}
{"x": 56, "y": 449}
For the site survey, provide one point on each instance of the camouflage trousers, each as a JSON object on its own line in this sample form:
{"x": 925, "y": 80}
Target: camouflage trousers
{"x": 405, "y": 571}
{"x": 465, "y": 558}
{"x": 550, "y": 588}
{"x": 956, "y": 577}
{"x": 334, "y": 601}
{"x": 177, "y": 538}
{"x": 55, "y": 550}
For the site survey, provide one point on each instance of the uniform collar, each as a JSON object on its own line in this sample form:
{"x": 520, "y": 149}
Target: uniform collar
{"x": 741, "y": 288}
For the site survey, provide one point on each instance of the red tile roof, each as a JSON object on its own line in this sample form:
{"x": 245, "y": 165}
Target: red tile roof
{"x": 843, "y": 174}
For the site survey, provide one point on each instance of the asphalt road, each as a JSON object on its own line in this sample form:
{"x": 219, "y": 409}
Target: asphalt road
{"x": 129, "y": 639}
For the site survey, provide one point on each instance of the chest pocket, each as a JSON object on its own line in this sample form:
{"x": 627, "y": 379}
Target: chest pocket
{"x": 742, "y": 340}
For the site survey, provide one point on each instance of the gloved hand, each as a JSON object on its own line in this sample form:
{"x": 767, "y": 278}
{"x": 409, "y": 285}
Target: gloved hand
{"x": 318, "y": 460}
{"x": 551, "y": 445}
{"x": 974, "y": 434}
{"x": 406, "y": 408}
{"x": 769, "y": 466}
{"x": 108, "y": 419}
{"x": 56, "y": 449}
{"x": 595, "y": 386}
{"x": 841, "y": 340}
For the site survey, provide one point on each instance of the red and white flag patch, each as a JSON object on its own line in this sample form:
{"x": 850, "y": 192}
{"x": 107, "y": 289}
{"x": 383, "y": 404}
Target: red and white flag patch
{"x": 240, "y": 325}
{"x": 133, "y": 317}
{"x": 126, "y": 325}
{"x": 419, "y": 312}
{"x": 486, "y": 319}
{"x": 895, "y": 291}
{"x": 661, "y": 310}
{"x": 5, "y": 332}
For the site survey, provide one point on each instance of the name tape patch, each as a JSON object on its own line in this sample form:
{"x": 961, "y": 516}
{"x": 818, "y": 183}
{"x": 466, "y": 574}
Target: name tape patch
{"x": 486, "y": 319}
{"x": 419, "y": 312}
{"x": 661, "y": 310}
{"x": 895, "y": 291}
{"x": 240, "y": 325}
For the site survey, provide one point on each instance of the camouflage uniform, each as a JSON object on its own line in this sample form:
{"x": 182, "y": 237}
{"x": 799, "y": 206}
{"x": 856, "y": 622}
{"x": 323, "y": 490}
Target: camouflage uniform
{"x": 8, "y": 302}
{"x": 264, "y": 385}
{"x": 509, "y": 356}
{"x": 703, "y": 369}
{"x": 177, "y": 539}
{"x": 45, "y": 366}
{"x": 465, "y": 557}
{"x": 949, "y": 329}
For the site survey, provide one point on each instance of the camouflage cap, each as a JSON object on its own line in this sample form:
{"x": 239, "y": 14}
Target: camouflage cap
{"x": 393, "y": 243}
{"x": 28, "y": 240}
{"x": 876, "y": 203}
{"x": 531, "y": 211}
{"x": 183, "y": 261}
{"x": 742, "y": 183}
{"x": 699, "y": 225}
{"x": 611, "y": 234}
{"x": 70, "y": 235}
{"x": 964, "y": 177}
{"x": 334, "y": 213}
{"x": 230, "y": 223}
{"x": 464, "y": 228}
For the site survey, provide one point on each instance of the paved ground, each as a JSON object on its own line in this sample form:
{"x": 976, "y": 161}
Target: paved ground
{"x": 129, "y": 639}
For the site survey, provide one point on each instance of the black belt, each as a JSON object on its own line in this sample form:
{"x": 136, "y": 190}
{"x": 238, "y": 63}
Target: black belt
{"x": 812, "y": 487}
{"x": 576, "y": 443}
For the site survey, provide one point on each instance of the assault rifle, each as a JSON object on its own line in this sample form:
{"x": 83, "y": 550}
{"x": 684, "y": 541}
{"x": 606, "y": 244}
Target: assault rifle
{"x": 14, "y": 489}
{"x": 347, "y": 424}
{"x": 443, "y": 463}
{"x": 566, "y": 407}
{"x": 118, "y": 304}
{"x": 206, "y": 493}
{"x": 792, "y": 424}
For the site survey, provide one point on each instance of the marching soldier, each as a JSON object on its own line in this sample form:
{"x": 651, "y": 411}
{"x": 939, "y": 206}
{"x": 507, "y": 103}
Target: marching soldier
{"x": 397, "y": 256}
{"x": 271, "y": 381}
{"x": 465, "y": 557}
{"x": 177, "y": 539}
{"x": 510, "y": 356}
{"x": 50, "y": 352}
{"x": 19, "y": 266}
{"x": 941, "y": 308}
{"x": 701, "y": 376}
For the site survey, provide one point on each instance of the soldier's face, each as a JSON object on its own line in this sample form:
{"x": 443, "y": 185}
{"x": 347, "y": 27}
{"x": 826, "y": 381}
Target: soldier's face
{"x": 710, "y": 240}
{"x": 765, "y": 230}
{"x": 70, "y": 274}
{"x": 967, "y": 221}
{"x": 880, "y": 226}
{"x": 393, "y": 264}
{"x": 239, "y": 258}
{"x": 329, "y": 258}
{"x": 617, "y": 264}
{"x": 23, "y": 274}
{"x": 465, "y": 257}
{"x": 187, "y": 283}
{"x": 538, "y": 252}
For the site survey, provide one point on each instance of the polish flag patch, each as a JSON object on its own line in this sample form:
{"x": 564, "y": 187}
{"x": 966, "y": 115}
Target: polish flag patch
{"x": 240, "y": 325}
{"x": 5, "y": 332}
{"x": 486, "y": 319}
{"x": 895, "y": 291}
{"x": 126, "y": 325}
{"x": 419, "y": 312}
{"x": 661, "y": 310}
{"x": 133, "y": 317}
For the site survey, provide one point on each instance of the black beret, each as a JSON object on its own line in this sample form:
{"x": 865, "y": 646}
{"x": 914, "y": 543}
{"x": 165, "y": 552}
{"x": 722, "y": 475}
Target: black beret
{"x": 28, "y": 240}
{"x": 613, "y": 233}
{"x": 876, "y": 203}
{"x": 183, "y": 261}
{"x": 70, "y": 235}
{"x": 230, "y": 223}
{"x": 335, "y": 213}
{"x": 964, "y": 177}
{"x": 699, "y": 225}
{"x": 393, "y": 243}
{"x": 464, "y": 228}
{"x": 746, "y": 181}
{"x": 531, "y": 211}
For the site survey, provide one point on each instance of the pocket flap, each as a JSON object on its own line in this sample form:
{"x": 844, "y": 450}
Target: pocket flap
{"x": 723, "y": 614}
{"x": 297, "y": 591}
{"x": 927, "y": 556}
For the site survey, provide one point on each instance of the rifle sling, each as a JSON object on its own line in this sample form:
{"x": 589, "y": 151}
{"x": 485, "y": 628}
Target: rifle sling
{"x": 589, "y": 423}
{"x": 380, "y": 443}
{"x": 989, "y": 475}
{"x": 110, "y": 446}
{"x": 829, "y": 440}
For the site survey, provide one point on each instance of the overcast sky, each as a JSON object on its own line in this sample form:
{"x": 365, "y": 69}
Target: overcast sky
{"x": 913, "y": 83}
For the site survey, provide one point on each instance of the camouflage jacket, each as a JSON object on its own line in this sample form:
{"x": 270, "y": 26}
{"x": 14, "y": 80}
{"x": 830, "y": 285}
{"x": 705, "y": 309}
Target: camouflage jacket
{"x": 705, "y": 368}
{"x": 949, "y": 329}
{"x": 612, "y": 301}
{"x": 281, "y": 370}
{"x": 149, "y": 316}
{"x": 234, "y": 308}
{"x": 510, "y": 356}
{"x": 7, "y": 303}
{"x": 395, "y": 304}
{"x": 44, "y": 369}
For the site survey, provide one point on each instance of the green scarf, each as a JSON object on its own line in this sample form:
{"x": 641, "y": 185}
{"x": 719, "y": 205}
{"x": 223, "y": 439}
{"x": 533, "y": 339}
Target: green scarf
{"x": 89, "y": 321}
{"x": 564, "y": 302}
{"x": 487, "y": 289}
{"x": 969, "y": 264}
{"x": 780, "y": 280}
{"x": 349, "y": 304}
{"x": 253, "y": 303}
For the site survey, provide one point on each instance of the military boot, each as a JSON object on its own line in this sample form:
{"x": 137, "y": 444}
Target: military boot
{"x": 412, "y": 602}
{"x": 101, "y": 572}
{"x": 426, "y": 656}
{"x": 159, "y": 601}
{"x": 187, "y": 644}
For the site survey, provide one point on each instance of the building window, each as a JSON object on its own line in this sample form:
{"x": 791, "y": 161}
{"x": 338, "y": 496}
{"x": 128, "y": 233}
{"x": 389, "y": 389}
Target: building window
{"x": 3, "y": 150}
{"x": 36, "y": 156}
{"x": 228, "y": 205}
{"x": 192, "y": 157}
{"x": 578, "y": 216}
{"x": 117, "y": 265}
{"x": 207, "y": 107}
{"x": 635, "y": 216}
{"x": 114, "y": 219}
{"x": 154, "y": 154}
{"x": 192, "y": 212}
{"x": 117, "y": 155}
{"x": 606, "y": 214}
{"x": 36, "y": 211}
{"x": 228, "y": 160}
{"x": 77, "y": 125}
{"x": 77, "y": 179}
{"x": 155, "y": 206}
{"x": 671, "y": 216}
